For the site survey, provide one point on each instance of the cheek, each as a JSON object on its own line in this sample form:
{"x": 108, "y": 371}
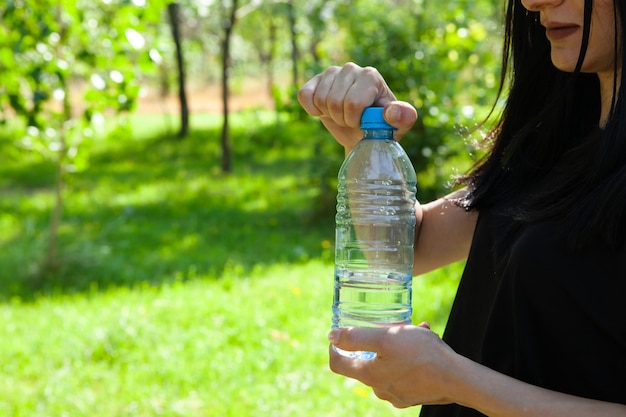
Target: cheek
{"x": 603, "y": 21}
{"x": 604, "y": 31}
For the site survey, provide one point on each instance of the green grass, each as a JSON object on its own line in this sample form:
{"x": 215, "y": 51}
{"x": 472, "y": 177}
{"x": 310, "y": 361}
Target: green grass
{"x": 183, "y": 291}
{"x": 245, "y": 346}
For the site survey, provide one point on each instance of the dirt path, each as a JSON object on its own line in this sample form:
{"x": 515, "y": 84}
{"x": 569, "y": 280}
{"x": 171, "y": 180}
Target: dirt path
{"x": 207, "y": 99}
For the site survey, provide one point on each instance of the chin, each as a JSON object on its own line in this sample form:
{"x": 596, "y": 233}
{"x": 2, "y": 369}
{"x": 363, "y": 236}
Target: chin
{"x": 564, "y": 65}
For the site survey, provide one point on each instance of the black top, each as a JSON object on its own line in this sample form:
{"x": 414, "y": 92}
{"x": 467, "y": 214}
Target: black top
{"x": 531, "y": 306}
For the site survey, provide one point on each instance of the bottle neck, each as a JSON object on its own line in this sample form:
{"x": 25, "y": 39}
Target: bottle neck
{"x": 381, "y": 134}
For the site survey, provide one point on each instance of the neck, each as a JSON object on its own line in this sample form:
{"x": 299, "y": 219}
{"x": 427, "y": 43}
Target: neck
{"x": 608, "y": 94}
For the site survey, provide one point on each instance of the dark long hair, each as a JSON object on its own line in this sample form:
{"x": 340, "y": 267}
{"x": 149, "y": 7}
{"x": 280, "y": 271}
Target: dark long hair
{"x": 551, "y": 116}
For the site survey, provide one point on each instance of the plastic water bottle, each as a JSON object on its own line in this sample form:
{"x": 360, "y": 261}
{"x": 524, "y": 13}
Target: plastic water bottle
{"x": 375, "y": 229}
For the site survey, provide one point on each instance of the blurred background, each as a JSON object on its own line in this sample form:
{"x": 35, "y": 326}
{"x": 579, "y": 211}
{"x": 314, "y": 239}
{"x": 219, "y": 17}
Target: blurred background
{"x": 167, "y": 208}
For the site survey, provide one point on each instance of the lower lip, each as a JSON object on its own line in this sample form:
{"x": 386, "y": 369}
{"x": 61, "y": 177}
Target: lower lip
{"x": 561, "y": 33}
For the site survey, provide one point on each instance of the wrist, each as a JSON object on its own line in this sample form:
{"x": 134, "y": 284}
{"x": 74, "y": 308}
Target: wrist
{"x": 462, "y": 383}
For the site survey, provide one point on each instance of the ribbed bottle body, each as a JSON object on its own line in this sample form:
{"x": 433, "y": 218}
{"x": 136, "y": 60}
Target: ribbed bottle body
{"x": 375, "y": 230}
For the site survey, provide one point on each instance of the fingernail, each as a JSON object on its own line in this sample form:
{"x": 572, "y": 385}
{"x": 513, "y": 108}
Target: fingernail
{"x": 392, "y": 113}
{"x": 333, "y": 336}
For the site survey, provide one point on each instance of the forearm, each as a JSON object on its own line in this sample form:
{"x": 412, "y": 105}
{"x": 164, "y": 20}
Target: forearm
{"x": 497, "y": 395}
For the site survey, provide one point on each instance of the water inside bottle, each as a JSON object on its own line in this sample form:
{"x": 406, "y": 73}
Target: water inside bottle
{"x": 370, "y": 298}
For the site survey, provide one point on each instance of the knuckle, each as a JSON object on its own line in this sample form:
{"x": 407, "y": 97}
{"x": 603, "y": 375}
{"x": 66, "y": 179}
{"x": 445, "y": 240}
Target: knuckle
{"x": 304, "y": 93}
{"x": 334, "y": 367}
{"x": 372, "y": 72}
{"x": 350, "y": 66}
{"x": 383, "y": 394}
{"x": 400, "y": 404}
{"x": 332, "y": 70}
{"x": 353, "y": 104}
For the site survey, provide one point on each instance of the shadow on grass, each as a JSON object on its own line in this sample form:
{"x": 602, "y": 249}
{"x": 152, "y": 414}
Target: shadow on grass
{"x": 158, "y": 209}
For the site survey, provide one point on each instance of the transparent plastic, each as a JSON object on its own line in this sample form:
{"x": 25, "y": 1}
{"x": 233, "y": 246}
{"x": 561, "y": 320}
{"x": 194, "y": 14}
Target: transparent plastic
{"x": 374, "y": 235}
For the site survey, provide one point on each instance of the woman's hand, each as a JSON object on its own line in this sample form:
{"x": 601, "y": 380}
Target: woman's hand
{"x": 414, "y": 366}
{"x": 410, "y": 367}
{"x": 339, "y": 95}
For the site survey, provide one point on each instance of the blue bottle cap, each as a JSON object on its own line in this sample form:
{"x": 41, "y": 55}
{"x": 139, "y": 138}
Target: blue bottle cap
{"x": 372, "y": 118}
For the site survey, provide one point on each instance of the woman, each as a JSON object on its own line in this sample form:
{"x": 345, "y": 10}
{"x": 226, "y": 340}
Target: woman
{"x": 538, "y": 326}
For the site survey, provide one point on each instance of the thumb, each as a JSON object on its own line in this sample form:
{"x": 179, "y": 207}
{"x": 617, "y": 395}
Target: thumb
{"x": 357, "y": 338}
{"x": 424, "y": 324}
{"x": 401, "y": 115}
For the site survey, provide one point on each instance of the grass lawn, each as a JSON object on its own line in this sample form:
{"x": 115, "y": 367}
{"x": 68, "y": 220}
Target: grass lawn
{"x": 182, "y": 291}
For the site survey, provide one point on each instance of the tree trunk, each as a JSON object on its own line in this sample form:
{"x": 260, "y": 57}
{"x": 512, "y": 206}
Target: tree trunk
{"x": 271, "y": 53}
{"x": 294, "y": 45}
{"x": 229, "y": 23}
{"x": 51, "y": 261}
{"x": 174, "y": 17}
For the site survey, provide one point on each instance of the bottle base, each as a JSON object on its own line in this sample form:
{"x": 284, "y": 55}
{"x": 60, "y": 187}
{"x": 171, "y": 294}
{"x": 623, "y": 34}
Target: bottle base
{"x": 362, "y": 355}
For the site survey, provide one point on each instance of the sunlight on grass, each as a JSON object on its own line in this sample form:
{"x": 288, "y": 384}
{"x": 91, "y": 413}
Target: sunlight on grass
{"x": 245, "y": 346}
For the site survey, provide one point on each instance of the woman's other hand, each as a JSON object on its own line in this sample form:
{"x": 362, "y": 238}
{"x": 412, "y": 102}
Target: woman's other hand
{"x": 411, "y": 367}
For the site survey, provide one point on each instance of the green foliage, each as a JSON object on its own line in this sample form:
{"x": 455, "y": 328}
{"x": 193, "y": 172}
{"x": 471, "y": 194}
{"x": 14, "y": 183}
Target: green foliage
{"x": 150, "y": 216}
{"x": 47, "y": 49}
{"x": 442, "y": 57}
{"x": 437, "y": 56}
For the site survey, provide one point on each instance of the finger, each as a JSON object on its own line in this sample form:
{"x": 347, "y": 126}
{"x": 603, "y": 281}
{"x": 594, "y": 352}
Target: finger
{"x": 368, "y": 89}
{"x": 400, "y": 115}
{"x": 345, "y": 92}
{"x": 342, "y": 104}
{"x": 350, "y": 135}
{"x": 331, "y": 90}
{"x": 350, "y": 367}
{"x": 306, "y": 94}
{"x": 358, "y": 338}
{"x": 321, "y": 93}
{"x": 364, "y": 91}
